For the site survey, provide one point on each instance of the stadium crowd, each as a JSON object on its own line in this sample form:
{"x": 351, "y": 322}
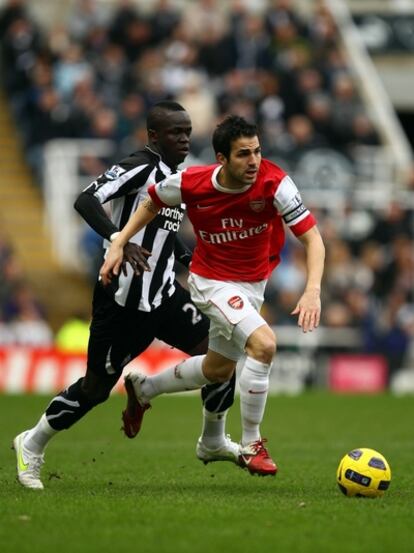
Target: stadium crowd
{"x": 96, "y": 77}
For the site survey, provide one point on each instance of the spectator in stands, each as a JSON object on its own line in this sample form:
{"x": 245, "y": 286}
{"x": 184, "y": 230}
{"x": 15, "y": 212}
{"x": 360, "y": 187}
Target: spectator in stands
{"x": 390, "y": 338}
{"x": 204, "y": 16}
{"x": 10, "y": 272}
{"x": 21, "y": 314}
{"x": 251, "y": 44}
{"x": 164, "y": 19}
{"x": 346, "y": 105}
{"x": 280, "y": 12}
{"x": 200, "y": 104}
{"x": 337, "y": 315}
{"x": 216, "y": 52}
{"x": 103, "y": 124}
{"x": 270, "y": 108}
{"x": 71, "y": 69}
{"x": 132, "y": 114}
{"x": 85, "y": 16}
{"x": 12, "y": 10}
{"x": 28, "y": 329}
{"x": 318, "y": 108}
{"x": 124, "y": 13}
{"x": 394, "y": 220}
{"x": 299, "y": 138}
{"x": 136, "y": 37}
{"x": 290, "y": 50}
{"x": 19, "y": 48}
{"x": 322, "y": 31}
{"x": 363, "y": 132}
{"x": 22, "y": 304}
{"x": 50, "y": 118}
{"x": 111, "y": 69}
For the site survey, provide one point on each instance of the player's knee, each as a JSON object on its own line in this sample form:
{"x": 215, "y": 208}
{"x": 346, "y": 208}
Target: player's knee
{"x": 97, "y": 396}
{"x": 262, "y": 349}
{"x": 96, "y": 392}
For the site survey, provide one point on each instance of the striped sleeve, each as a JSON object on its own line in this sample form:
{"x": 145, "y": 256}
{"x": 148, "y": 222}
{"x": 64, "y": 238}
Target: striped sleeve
{"x": 168, "y": 191}
{"x": 119, "y": 181}
{"x": 288, "y": 202}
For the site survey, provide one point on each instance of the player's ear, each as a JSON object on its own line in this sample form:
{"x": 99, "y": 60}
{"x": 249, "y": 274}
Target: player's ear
{"x": 221, "y": 158}
{"x": 152, "y": 135}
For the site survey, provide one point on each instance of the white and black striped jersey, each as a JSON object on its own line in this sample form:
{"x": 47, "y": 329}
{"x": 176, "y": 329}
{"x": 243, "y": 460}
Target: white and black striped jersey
{"x": 125, "y": 186}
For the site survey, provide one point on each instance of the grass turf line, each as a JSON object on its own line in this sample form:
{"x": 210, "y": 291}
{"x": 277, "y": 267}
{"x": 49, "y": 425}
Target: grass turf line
{"x": 109, "y": 494}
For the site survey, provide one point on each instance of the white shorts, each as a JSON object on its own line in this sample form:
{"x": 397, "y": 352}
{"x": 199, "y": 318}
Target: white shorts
{"x": 233, "y": 310}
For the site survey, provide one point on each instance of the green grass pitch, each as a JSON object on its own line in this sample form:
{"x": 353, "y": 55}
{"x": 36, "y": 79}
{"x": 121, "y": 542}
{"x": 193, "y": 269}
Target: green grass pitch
{"x": 105, "y": 493}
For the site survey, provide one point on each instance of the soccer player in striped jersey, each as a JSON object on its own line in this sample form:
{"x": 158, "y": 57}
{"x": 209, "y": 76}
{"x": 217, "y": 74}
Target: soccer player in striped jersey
{"x": 238, "y": 209}
{"x": 144, "y": 302}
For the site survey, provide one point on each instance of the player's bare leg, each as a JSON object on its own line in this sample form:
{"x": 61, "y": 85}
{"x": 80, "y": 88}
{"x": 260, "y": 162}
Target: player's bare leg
{"x": 213, "y": 444}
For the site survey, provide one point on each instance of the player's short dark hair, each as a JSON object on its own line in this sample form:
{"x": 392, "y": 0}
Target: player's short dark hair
{"x": 229, "y": 130}
{"x": 156, "y": 115}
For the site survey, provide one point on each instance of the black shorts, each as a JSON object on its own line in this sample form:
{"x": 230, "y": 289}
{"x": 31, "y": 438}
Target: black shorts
{"x": 119, "y": 334}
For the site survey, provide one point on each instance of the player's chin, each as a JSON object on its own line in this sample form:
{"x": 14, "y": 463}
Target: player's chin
{"x": 181, "y": 155}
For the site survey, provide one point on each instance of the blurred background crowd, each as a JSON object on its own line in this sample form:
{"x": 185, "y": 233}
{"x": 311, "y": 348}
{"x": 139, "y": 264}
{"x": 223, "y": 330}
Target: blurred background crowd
{"x": 96, "y": 74}
{"x": 23, "y": 319}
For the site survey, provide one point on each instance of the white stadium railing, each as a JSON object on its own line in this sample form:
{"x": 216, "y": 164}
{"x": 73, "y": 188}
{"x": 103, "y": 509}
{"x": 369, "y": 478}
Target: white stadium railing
{"x": 62, "y": 184}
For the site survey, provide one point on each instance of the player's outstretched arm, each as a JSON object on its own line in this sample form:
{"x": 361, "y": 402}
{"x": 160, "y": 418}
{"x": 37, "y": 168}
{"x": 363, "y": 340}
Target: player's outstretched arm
{"x": 308, "y": 307}
{"x": 145, "y": 213}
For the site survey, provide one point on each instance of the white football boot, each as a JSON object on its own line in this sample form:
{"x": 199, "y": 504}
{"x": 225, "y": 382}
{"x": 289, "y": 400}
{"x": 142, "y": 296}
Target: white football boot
{"x": 229, "y": 451}
{"x": 28, "y": 464}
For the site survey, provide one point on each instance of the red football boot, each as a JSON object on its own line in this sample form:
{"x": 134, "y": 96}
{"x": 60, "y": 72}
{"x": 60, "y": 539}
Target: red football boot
{"x": 135, "y": 409}
{"x": 256, "y": 459}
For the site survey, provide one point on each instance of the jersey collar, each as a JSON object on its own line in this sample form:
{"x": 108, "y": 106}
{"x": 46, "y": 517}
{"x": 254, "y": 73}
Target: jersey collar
{"x": 165, "y": 168}
{"x": 147, "y": 147}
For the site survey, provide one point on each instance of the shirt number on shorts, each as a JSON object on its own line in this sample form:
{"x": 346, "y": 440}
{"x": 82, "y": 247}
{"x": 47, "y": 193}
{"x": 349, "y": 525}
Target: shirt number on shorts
{"x": 195, "y": 315}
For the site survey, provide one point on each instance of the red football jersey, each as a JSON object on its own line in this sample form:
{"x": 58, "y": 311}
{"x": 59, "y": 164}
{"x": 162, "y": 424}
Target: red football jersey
{"x": 239, "y": 232}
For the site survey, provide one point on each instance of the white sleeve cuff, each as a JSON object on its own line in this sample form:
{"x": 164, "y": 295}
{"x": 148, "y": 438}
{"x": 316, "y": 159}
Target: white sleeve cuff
{"x": 114, "y": 235}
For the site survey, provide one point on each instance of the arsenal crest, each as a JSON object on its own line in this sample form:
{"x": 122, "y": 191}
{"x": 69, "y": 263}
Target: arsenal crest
{"x": 257, "y": 205}
{"x": 235, "y": 302}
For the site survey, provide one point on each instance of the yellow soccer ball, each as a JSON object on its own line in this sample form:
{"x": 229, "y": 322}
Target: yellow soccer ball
{"x": 363, "y": 472}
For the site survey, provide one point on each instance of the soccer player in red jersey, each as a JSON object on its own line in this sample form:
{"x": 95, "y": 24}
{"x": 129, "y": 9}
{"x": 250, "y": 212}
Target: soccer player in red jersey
{"x": 237, "y": 209}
